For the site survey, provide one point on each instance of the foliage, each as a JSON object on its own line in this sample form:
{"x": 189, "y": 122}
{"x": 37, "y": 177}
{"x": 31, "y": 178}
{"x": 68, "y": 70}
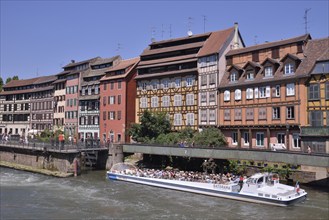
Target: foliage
{"x": 168, "y": 139}
{"x": 1, "y": 83}
{"x": 151, "y": 126}
{"x": 284, "y": 173}
{"x": 15, "y": 78}
{"x": 235, "y": 168}
{"x": 8, "y": 80}
{"x": 210, "y": 137}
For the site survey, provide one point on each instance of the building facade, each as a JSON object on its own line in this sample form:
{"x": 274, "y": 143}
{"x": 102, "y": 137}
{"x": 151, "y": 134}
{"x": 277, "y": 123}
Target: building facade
{"x": 262, "y": 95}
{"x": 89, "y": 97}
{"x": 117, "y": 102}
{"x": 168, "y": 74}
{"x": 59, "y": 102}
{"x": 315, "y": 134}
{"x": 211, "y": 69}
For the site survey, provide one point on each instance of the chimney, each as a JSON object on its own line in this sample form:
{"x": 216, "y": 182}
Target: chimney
{"x": 236, "y": 44}
{"x": 72, "y": 61}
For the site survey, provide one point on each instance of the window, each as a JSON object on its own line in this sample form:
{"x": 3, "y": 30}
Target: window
{"x": 190, "y": 99}
{"x": 256, "y": 93}
{"x": 212, "y": 96}
{"x": 289, "y": 68}
{"x": 143, "y": 102}
{"x": 212, "y": 115}
{"x": 119, "y": 99}
{"x": 237, "y": 94}
{"x": 177, "y": 119}
{"x": 316, "y": 118}
{"x": 177, "y": 83}
{"x": 262, "y": 92}
{"x": 97, "y": 89}
{"x": 154, "y": 102}
{"x": 250, "y": 75}
{"x": 290, "y": 112}
{"x": 268, "y": 71}
{"x": 165, "y": 101}
{"x": 104, "y": 115}
{"x": 154, "y": 85}
{"x": 89, "y": 90}
{"x": 281, "y": 138}
{"x": 204, "y": 115}
{"x": 212, "y": 79}
{"x": 234, "y": 76}
{"x": 112, "y": 85}
{"x": 119, "y": 115}
{"x": 249, "y": 114}
{"x": 203, "y": 80}
{"x": 276, "y": 91}
{"x": 119, "y": 84}
{"x": 190, "y": 118}
{"x": 96, "y": 120}
{"x": 249, "y": 93}
{"x": 203, "y": 97}
{"x": 290, "y": 89}
{"x": 246, "y": 138}
{"x": 227, "y": 95}
{"x": 260, "y": 139}
{"x": 237, "y": 114}
{"x": 112, "y": 100}
{"x": 112, "y": 115}
{"x": 276, "y": 113}
{"x": 296, "y": 140}
{"x": 104, "y": 100}
{"x": 262, "y": 113}
{"x": 165, "y": 84}
{"x": 234, "y": 138}
{"x": 227, "y": 115}
{"x": 189, "y": 81}
{"x": 144, "y": 85}
{"x": 327, "y": 90}
{"x": 177, "y": 100}
{"x": 314, "y": 91}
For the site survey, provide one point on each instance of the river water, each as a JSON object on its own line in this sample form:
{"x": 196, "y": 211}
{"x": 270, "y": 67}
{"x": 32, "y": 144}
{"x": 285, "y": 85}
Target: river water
{"x": 25, "y": 195}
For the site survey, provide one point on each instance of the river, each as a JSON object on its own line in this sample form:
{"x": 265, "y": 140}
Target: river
{"x": 26, "y": 195}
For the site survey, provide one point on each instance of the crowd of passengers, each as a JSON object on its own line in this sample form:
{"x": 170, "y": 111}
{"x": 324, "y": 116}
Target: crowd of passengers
{"x": 183, "y": 175}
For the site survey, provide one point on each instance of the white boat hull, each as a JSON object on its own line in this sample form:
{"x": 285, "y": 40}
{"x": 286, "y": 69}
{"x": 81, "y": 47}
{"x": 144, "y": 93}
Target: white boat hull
{"x": 203, "y": 188}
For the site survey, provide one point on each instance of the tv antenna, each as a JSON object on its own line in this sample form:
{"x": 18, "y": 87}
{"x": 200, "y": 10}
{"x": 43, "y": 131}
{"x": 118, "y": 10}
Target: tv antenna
{"x": 170, "y": 31}
{"x": 189, "y": 33}
{"x": 255, "y": 39}
{"x": 119, "y": 47}
{"x": 162, "y": 31}
{"x": 204, "y": 23}
{"x": 152, "y": 34}
{"x": 306, "y": 19}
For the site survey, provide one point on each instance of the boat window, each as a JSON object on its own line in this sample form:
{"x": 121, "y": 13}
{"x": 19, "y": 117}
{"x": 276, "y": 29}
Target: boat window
{"x": 260, "y": 180}
{"x": 267, "y": 195}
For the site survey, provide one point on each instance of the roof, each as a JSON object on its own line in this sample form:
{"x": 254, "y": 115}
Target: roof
{"x": 27, "y": 90}
{"x": 179, "y": 39}
{"x": 45, "y": 79}
{"x": 302, "y": 38}
{"x": 169, "y": 63}
{"x": 105, "y": 60}
{"x": 21, "y": 82}
{"x": 89, "y": 97}
{"x": 215, "y": 42}
{"x": 314, "y": 50}
{"x": 122, "y": 65}
{"x": 59, "y": 81}
{"x": 164, "y": 60}
{"x": 81, "y": 62}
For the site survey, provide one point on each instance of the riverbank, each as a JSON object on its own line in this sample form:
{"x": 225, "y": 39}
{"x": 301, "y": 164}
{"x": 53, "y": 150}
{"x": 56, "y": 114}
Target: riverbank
{"x": 35, "y": 170}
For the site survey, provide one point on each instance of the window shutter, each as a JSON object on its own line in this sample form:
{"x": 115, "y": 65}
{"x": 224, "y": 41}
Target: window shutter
{"x": 268, "y": 91}
{"x": 256, "y": 93}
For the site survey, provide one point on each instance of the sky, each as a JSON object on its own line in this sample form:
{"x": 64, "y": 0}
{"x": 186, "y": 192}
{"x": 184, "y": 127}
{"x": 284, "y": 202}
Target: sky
{"x": 40, "y": 37}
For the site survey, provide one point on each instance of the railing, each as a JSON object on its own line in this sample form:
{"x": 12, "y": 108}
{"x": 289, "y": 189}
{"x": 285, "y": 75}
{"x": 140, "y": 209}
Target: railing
{"x": 315, "y": 131}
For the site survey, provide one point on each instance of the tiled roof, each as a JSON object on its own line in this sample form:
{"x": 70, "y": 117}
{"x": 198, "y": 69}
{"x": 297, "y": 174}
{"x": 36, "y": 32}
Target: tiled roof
{"x": 81, "y": 62}
{"x": 169, "y": 63}
{"x": 89, "y": 97}
{"x": 315, "y": 49}
{"x": 21, "y": 82}
{"x": 122, "y": 65}
{"x": 27, "y": 90}
{"x": 269, "y": 45}
{"x": 45, "y": 79}
{"x": 148, "y": 51}
{"x": 164, "y": 60}
{"x": 179, "y": 39}
{"x": 105, "y": 60}
{"x": 59, "y": 81}
{"x": 215, "y": 42}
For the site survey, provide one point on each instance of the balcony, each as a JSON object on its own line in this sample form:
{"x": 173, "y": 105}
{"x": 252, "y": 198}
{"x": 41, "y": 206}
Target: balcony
{"x": 315, "y": 131}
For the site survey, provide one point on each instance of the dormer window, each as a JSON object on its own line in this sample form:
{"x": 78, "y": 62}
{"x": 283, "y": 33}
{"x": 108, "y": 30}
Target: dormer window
{"x": 289, "y": 68}
{"x": 250, "y": 75}
{"x": 268, "y": 71}
{"x": 234, "y": 76}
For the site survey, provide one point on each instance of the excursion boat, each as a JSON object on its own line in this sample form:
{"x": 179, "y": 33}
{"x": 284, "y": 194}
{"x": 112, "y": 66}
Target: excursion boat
{"x": 259, "y": 188}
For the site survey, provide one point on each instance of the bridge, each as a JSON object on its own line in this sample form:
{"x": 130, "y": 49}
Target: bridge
{"x": 289, "y": 157}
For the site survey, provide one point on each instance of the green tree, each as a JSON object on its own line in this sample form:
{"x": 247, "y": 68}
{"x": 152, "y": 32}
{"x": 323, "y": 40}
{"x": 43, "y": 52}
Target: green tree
{"x": 8, "y": 80}
{"x": 151, "y": 126}
{"x": 1, "y": 83}
{"x": 210, "y": 137}
{"x": 15, "y": 78}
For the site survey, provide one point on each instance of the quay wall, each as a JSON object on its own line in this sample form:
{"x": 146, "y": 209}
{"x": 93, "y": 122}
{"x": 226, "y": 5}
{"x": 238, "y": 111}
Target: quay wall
{"x": 39, "y": 160}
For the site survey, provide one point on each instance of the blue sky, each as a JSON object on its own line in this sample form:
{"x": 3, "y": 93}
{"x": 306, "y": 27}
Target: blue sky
{"x": 39, "y": 37}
